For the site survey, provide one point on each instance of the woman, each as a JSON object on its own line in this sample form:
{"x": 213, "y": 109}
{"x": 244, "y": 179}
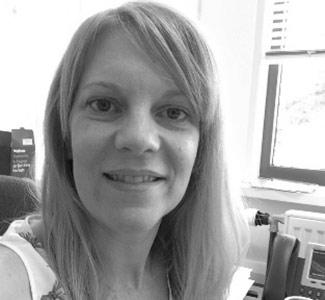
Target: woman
{"x": 136, "y": 201}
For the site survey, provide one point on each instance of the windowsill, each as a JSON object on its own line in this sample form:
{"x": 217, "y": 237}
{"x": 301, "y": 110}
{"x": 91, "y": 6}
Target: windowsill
{"x": 282, "y": 191}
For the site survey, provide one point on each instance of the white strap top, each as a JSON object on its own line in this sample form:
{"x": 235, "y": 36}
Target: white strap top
{"x": 43, "y": 282}
{"x": 19, "y": 238}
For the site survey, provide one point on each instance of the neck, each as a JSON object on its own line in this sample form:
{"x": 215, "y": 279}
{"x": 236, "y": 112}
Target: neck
{"x": 124, "y": 256}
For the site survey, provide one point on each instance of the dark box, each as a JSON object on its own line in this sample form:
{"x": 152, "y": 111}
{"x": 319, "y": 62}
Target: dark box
{"x": 5, "y": 152}
{"x": 22, "y": 153}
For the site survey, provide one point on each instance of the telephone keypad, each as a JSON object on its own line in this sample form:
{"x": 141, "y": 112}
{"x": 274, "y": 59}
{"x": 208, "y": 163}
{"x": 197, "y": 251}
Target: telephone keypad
{"x": 313, "y": 293}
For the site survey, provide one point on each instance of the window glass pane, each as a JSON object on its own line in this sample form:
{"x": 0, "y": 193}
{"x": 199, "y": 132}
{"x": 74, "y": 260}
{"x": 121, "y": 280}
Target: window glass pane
{"x": 300, "y": 128}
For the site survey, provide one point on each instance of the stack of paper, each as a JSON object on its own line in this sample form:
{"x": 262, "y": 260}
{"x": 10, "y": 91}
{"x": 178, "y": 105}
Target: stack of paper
{"x": 240, "y": 284}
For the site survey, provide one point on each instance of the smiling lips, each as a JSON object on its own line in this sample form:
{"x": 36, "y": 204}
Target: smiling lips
{"x": 133, "y": 177}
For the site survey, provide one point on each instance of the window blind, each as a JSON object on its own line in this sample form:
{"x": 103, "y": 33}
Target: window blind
{"x": 296, "y": 27}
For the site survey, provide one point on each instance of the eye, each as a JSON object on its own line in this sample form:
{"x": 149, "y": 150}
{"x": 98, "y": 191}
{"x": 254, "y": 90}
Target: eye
{"x": 101, "y": 105}
{"x": 174, "y": 114}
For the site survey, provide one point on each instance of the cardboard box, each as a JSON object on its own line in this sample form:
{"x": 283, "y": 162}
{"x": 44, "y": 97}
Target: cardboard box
{"x": 22, "y": 153}
{"x": 5, "y": 152}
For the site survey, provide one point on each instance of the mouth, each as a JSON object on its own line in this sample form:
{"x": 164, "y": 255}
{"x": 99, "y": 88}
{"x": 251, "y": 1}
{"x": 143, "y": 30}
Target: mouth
{"x": 132, "y": 179}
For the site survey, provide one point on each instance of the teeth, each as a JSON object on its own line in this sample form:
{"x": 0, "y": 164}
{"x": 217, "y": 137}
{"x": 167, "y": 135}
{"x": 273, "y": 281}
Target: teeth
{"x": 132, "y": 179}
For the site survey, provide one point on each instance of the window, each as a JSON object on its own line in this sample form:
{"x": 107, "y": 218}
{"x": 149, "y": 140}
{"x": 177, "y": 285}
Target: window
{"x": 293, "y": 145}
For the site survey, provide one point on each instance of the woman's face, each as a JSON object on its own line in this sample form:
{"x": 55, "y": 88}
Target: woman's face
{"x": 134, "y": 137}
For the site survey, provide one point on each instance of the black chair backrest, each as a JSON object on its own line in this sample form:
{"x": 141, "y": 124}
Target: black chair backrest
{"x": 281, "y": 268}
{"x": 17, "y": 198}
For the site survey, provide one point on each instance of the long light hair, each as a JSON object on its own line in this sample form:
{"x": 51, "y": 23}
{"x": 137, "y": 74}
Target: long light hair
{"x": 202, "y": 238}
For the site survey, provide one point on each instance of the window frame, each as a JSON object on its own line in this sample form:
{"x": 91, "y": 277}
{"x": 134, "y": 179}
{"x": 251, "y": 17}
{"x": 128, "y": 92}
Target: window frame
{"x": 266, "y": 169}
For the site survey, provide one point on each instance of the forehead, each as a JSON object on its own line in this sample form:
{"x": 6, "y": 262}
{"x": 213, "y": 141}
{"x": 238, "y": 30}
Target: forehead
{"x": 114, "y": 57}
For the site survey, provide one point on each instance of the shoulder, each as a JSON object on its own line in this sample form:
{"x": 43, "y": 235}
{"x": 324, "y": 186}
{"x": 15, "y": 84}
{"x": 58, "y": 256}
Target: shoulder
{"x": 13, "y": 276}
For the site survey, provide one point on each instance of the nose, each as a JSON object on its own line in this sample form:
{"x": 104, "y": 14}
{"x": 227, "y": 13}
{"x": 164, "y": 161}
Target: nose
{"x": 137, "y": 134}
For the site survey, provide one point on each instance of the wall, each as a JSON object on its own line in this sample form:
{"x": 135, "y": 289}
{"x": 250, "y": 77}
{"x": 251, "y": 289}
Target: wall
{"x": 33, "y": 34}
{"x": 231, "y": 23}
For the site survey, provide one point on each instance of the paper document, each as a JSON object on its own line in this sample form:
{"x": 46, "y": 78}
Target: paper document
{"x": 240, "y": 284}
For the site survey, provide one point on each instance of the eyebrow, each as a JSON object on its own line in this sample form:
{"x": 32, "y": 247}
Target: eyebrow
{"x": 117, "y": 88}
{"x": 172, "y": 93}
{"x": 107, "y": 85}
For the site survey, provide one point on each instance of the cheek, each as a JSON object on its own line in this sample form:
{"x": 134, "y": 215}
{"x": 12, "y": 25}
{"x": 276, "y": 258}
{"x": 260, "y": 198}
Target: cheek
{"x": 185, "y": 154}
{"x": 86, "y": 143}
{"x": 182, "y": 162}
{"x": 86, "y": 147}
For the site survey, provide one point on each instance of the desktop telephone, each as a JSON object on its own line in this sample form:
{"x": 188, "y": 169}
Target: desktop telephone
{"x": 289, "y": 275}
{"x": 309, "y": 280}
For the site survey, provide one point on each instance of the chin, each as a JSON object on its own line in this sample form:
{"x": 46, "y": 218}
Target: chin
{"x": 136, "y": 221}
{"x": 129, "y": 221}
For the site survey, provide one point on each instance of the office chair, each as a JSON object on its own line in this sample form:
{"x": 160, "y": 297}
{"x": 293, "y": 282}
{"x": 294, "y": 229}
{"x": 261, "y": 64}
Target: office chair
{"x": 17, "y": 198}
